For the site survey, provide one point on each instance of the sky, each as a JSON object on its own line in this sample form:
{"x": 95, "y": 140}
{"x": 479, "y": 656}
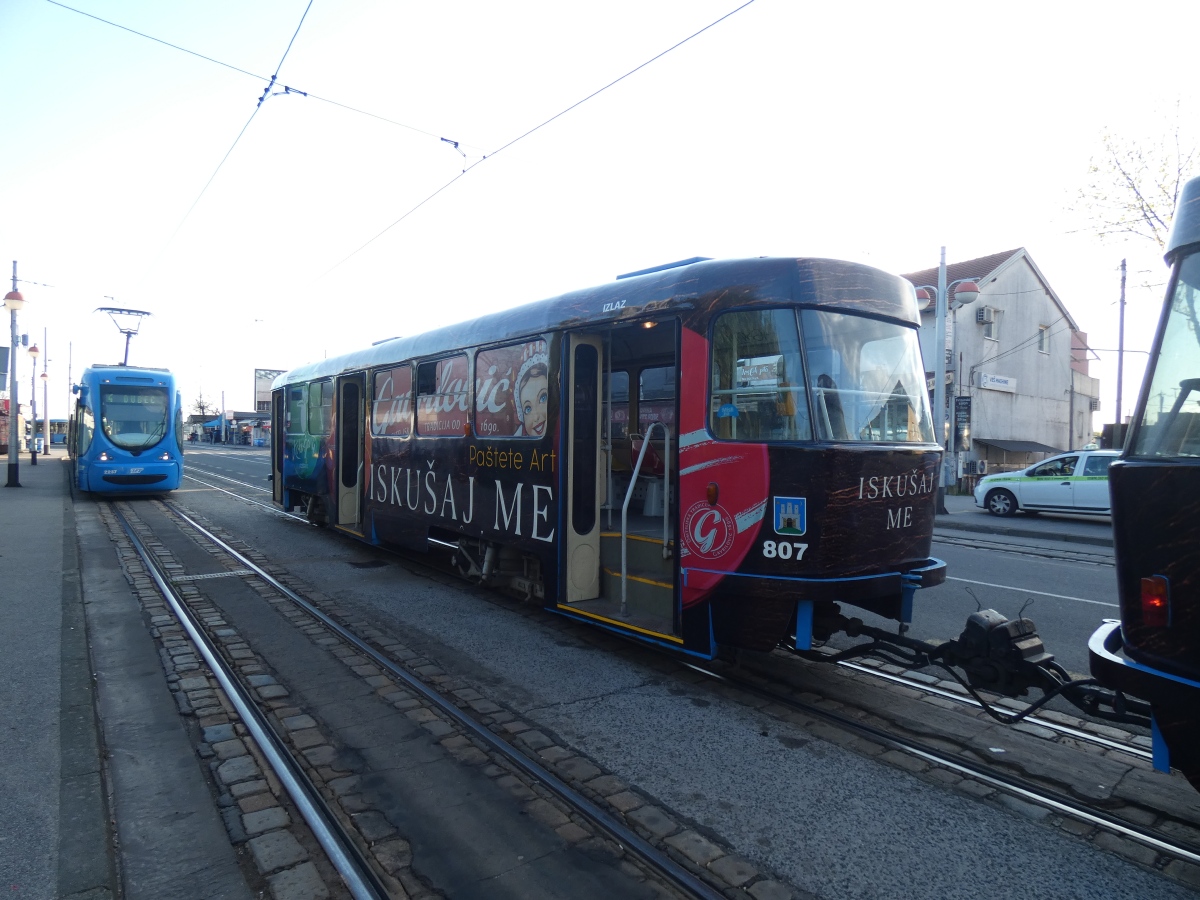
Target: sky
{"x": 137, "y": 175}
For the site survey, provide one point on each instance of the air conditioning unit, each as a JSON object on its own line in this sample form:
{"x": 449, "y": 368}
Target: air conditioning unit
{"x": 985, "y": 315}
{"x": 1094, "y": 405}
{"x": 974, "y": 467}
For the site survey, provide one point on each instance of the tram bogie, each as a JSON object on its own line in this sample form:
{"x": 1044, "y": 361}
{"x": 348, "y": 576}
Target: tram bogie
{"x": 125, "y": 435}
{"x": 1153, "y": 653}
{"x": 702, "y": 455}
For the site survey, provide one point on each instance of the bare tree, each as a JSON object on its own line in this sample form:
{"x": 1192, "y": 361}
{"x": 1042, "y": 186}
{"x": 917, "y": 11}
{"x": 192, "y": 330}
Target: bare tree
{"x": 202, "y": 407}
{"x": 1133, "y": 186}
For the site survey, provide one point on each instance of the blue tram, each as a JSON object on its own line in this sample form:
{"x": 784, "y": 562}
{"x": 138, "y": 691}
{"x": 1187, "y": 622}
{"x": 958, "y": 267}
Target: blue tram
{"x": 705, "y": 454}
{"x": 125, "y": 434}
{"x": 1153, "y": 652}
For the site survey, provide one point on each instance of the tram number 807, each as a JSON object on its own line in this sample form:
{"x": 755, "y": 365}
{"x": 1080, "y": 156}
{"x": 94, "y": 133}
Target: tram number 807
{"x": 783, "y": 550}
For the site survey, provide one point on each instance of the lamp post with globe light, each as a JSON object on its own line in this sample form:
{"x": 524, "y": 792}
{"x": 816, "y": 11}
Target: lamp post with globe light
{"x": 966, "y": 291}
{"x": 33, "y": 355}
{"x": 13, "y": 302}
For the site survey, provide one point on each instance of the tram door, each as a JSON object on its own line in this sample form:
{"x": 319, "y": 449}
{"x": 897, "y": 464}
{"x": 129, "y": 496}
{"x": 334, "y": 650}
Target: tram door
{"x": 277, "y": 438}
{"x": 349, "y": 453}
{"x": 584, "y": 476}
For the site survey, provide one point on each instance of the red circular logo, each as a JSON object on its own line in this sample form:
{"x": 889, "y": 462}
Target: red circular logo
{"x": 708, "y": 531}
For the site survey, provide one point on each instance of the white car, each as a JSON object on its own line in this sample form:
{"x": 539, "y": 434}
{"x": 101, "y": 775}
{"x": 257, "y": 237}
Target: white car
{"x": 1075, "y": 482}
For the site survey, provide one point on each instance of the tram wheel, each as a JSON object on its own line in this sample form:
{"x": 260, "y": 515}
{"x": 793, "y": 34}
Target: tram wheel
{"x": 1001, "y": 503}
{"x": 1182, "y": 733}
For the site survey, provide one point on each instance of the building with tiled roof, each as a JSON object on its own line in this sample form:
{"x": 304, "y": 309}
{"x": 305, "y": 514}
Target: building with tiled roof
{"x": 1017, "y": 358}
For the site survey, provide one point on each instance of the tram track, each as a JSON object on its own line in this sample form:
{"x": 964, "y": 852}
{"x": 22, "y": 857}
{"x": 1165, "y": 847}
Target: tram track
{"x": 997, "y": 780}
{"x": 676, "y": 878}
{"x": 345, "y": 855}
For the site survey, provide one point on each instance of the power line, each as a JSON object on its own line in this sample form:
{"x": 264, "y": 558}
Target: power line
{"x": 254, "y": 75}
{"x": 522, "y": 137}
{"x": 264, "y": 96}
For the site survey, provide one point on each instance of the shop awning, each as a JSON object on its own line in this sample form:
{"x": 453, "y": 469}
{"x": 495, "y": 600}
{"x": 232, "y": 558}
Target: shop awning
{"x": 1017, "y": 446}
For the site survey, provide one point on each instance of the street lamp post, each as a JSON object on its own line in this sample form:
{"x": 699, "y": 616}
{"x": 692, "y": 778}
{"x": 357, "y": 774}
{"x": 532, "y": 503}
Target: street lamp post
{"x": 13, "y": 301}
{"x": 33, "y": 355}
{"x": 45, "y": 402}
{"x": 965, "y": 291}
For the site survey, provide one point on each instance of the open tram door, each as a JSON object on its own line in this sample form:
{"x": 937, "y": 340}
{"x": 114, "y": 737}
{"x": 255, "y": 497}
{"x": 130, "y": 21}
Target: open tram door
{"x": 622, "y": 515}
{"x": 277, "y": 433}
{"x": 349, "y": 459}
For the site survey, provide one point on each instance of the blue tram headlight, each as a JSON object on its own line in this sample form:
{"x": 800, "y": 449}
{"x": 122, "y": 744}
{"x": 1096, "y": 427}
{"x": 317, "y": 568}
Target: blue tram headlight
{"x": 104, "y": 457}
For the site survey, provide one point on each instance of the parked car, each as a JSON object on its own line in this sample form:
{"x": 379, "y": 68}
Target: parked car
{"x": 1075, "y": 482}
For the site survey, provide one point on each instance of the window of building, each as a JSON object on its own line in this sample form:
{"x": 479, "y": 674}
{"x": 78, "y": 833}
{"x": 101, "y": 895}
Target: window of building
{"x": 391, "y": 408}
{"x": 443, "y": 396}
{"x": 512, "y": 390}
{"x": 320, "y": 407}
{"x": 991, "y": 327}
{"x": 1043, "y": 338}
{"x": 757, "y": 388}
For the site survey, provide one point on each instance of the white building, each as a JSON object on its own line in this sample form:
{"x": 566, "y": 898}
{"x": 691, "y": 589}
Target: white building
{"x": 1019, "y": 357}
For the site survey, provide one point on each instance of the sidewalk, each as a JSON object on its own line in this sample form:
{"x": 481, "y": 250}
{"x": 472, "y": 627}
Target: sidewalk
{"x": 53, "y": 837}
{"x": 963, "y": 515}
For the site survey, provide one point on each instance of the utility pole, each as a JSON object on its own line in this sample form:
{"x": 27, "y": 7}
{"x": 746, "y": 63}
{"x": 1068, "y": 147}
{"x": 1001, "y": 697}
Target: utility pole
{"x": 1119, "y": 431}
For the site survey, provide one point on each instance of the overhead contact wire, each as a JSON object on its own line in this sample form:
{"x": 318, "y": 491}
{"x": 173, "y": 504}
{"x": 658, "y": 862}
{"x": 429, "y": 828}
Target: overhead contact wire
{"x": 535, "y": 128}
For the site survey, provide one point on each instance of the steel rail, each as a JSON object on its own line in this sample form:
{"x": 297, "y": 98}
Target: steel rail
{"x": 1037, "y": 795}
{"x": 357, "y": 874}
{"x": 680, "y": 877}
{"x": 1034, "y": 719}
{"x": 268, "y": 506}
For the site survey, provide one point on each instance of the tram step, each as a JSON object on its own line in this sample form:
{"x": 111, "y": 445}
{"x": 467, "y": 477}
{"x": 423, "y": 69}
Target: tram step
{"x": 645, "y": 597}
{"x": 643, "y": 555}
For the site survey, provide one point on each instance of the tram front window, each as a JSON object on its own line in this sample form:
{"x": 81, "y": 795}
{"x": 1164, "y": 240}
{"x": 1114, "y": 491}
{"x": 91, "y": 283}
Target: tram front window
{"x": 1170, "y": 425}
{"x": 866, "y": 379}
{"x": 133, "y": 418}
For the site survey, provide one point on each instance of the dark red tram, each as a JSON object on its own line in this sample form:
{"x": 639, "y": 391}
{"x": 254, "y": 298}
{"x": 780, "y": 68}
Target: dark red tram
{"x": 704, "y": 454}
{"x": 1153, "y": 653}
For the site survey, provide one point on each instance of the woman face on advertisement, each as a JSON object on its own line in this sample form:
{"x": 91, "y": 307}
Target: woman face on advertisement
{"x": 532, "y": 400}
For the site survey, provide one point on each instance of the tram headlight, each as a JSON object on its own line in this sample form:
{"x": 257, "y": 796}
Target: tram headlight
{"x": 103, "y": 457}
{"x": 165, "y": 455}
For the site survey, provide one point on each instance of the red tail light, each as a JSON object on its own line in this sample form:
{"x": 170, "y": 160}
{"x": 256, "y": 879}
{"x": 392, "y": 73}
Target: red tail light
{"x": 1156, "y": 601}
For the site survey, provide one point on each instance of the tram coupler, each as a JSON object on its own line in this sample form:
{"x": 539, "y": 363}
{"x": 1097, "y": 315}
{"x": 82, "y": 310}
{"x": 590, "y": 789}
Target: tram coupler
{"x": 1002, "y": 655}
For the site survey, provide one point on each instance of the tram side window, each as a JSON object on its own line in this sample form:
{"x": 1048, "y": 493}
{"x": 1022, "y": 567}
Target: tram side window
{"x": 618, "y": 414}
{"x": 296, "y": 418}
{"x": 442, "y": 397}
{"x": 512, "y": 390}
{"x": 391, "y": 410}
{"x": 320, "y": 407}
{"x": 757, "y": 391}
{"x": 656, "y": 397}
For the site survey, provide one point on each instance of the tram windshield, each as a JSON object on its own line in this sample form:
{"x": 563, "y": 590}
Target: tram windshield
{"x": 1170, "y": 423}
{"x": 865, "y": 380}
{"x": 133, "y": 417}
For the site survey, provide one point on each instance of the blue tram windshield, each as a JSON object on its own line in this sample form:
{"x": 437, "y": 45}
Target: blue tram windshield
{"x": 133, "y": 418}
{"x": 866, "y": 379}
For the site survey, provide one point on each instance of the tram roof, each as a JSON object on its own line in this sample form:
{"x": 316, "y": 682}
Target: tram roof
{"x": 717, "y": 284}
{"x": 118, "y": 369}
